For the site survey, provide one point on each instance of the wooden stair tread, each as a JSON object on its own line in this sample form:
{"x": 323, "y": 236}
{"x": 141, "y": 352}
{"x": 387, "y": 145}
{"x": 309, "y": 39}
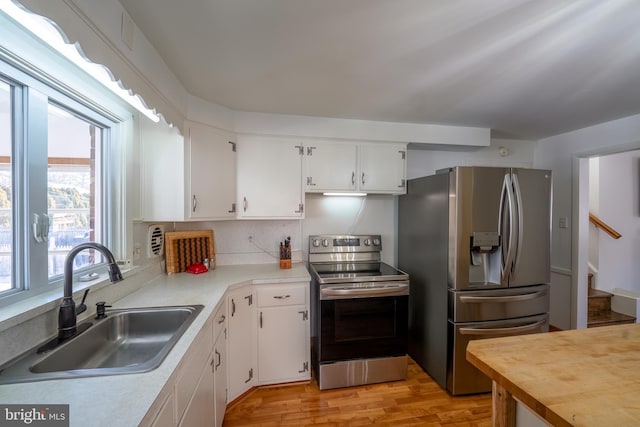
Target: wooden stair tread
{"x": 596, "y": 293}
{"x": 605, "y": 318}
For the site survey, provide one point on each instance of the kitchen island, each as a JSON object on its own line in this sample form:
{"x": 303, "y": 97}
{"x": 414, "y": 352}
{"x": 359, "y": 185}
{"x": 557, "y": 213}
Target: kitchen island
{"x": 585, "y": 377}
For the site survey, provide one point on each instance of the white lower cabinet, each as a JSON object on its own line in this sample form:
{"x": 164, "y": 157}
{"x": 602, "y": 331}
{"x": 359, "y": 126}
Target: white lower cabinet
{"x": 240, "y": 323}
{"x": 243, "y": 344}
{"x": 283, "y": 333}
{"x": 220, "y": 367}
{"x": 166, "y": 416}
{"x": 188, "y": 399}
{"x": 199, "y": 411}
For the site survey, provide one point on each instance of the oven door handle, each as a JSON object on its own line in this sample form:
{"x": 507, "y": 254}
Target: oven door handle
{"x": 509, "y": 298}
{"x": 374, "y": 290}
{"x": 503, "y": 331}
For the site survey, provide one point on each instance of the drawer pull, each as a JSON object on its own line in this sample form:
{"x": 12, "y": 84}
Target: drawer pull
{"x": 221, "y": 319}
{"x": 282, "y": 296}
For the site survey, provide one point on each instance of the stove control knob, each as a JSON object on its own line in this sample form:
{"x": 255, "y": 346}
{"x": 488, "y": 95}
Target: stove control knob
{"x": 367, "y": 242}
{"x": 316, "y": 243}
{"x": 325, "y": 243}
{"x": 376, "y": 242}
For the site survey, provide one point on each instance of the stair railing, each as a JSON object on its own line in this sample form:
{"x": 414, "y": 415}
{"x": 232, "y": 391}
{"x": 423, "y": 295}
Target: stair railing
{"x": 604, "y": 226}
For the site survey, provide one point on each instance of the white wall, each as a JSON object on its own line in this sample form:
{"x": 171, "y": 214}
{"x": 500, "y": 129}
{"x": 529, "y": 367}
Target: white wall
{"x": 424, "y": 161}
{"x": 619, "y": 206}
{"x": 562, "y": 154}
{"x": 594, "y": 207}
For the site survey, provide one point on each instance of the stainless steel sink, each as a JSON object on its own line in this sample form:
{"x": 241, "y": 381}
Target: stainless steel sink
{"x": 126, "y": 341}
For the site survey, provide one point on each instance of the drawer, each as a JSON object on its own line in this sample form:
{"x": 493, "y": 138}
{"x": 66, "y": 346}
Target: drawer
{"x": 273, "y": 296}
{"x": 220, "y": 319}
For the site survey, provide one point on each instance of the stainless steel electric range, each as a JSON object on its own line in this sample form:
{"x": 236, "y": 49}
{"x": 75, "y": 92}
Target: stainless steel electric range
{"x": 359, "y": 312}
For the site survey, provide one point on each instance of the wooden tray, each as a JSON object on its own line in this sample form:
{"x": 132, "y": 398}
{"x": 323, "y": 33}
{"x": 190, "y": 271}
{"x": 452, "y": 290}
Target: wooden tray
{"x": 184, "y": 248}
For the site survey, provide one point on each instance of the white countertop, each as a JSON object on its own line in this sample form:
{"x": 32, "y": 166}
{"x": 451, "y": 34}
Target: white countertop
{"x": 125, "y": 399}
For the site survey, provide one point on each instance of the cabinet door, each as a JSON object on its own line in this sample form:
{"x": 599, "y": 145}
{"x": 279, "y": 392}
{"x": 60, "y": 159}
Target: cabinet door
{"x": 199, "y": 411}
{"x": 220, "y": 377}
{"x": 330, "y": 167}
{"x": 212, "y": 174}
{"x": 283, "y": 344}
{"x": 241, "y": 337}
{"x": 166, "y": 415}
{"x": 269, "y": 178}
{"x": 382, "y": 168}
{"x": 161, "y": 172}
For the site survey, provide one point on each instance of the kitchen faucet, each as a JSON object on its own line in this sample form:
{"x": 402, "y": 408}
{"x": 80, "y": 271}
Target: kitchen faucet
{"x": 68, "y": 311}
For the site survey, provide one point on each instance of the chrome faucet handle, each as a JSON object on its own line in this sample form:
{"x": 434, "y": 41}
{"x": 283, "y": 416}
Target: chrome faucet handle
{"x": 82, "y": 307}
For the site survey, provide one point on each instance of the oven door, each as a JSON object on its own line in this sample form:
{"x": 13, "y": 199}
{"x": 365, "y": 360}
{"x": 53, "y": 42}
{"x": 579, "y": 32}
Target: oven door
{"x": 365, "y": 325}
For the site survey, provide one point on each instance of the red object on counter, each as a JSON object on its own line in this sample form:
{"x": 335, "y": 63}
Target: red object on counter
{"x": 197, "y": 268}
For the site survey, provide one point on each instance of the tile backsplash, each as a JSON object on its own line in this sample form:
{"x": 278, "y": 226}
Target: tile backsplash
{"x": 250, "y": 242}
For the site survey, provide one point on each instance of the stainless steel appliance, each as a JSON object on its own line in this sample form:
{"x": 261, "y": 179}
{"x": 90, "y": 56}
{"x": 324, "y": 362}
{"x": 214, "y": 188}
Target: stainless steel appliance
{"x": 359, "y": 312}
{"x": 476, "y": 242}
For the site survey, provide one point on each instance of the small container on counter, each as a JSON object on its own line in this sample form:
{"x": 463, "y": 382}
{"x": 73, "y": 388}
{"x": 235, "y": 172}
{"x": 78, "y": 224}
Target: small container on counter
{"x": 210, "y": 263}
{"x": 285, "y": 253}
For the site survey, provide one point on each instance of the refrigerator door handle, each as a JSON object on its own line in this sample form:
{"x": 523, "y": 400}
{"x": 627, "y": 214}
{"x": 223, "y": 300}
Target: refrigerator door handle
{"x": 520, "y": 223}
{"x": 511, "y": 298}
{"x": 486, "y": 332}
{"x": 507, "y": 189}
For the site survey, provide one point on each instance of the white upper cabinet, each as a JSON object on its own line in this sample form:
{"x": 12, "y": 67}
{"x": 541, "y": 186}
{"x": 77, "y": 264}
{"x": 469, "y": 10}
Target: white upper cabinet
{"x": 269, "y": 178}
{"x": 350, "y": 167}
{"x": 382, "y": 168}
{"x": 211, "y": 184}
{"x": 330, "y": 167}
{"x": 161, "y": 172}
{"x": 187, "y": 178}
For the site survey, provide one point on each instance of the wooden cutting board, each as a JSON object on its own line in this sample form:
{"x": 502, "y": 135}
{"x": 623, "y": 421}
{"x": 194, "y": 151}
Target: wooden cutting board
{"x": 183, "y": 248}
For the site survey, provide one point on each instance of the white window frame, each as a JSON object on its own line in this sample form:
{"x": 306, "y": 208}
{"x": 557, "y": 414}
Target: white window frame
{"x": 90, "y": 101}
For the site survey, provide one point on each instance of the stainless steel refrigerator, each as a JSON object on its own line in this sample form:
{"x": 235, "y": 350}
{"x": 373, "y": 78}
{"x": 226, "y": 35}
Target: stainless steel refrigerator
{"x": 476, "y": 243}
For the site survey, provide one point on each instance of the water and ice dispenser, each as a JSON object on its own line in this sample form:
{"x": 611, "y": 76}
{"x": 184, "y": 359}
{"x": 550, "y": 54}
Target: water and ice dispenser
{"x": 485, "y": 258}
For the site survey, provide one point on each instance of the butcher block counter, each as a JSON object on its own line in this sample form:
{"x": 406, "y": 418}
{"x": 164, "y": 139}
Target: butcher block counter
{"x": 585, "y": 377}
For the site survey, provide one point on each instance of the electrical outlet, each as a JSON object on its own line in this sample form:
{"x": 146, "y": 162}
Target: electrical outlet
{"x": 136, "y": 251}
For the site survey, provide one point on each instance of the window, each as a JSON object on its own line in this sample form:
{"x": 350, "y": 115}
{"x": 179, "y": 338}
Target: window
{"x": 73, "y": 205}
{"x": 53, "y": 191}
{"x": 6, "y": 216}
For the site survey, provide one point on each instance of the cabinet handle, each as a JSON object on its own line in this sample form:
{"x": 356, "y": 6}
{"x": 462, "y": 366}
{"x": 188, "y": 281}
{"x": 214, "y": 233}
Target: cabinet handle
{"x": 250, "y": 375}
{"x": 305, "y": 367}
{"x": 233, "y": 307}
{"x": 282, "y": 296}
{"x": 305, "y": 314}
{"x": 245, "y": 204}
{"x": 402, "y": 183}
{"x": 222, "y": 319}
{"x": 233, "y": 208}
{"x": 300, "y": 208}
{"x": 249, "y": 299}
{"x": 362, "y": 178}
{"x": 353, "y": 178}
{"x": 260, "y": 320}
{"x": 194, "y": 203}
{"x": 310, "y": 181}
{"x": 219, "y": 359}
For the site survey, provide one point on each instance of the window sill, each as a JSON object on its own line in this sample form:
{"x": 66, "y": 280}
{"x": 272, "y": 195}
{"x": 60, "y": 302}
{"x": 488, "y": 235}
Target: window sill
{"x": 24, "y": 310}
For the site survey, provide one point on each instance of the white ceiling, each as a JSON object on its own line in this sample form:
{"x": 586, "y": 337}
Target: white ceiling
{"x": 524, "y": 68}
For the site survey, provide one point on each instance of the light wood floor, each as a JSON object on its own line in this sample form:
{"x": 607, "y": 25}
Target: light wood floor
{"x": 418, "y": 401}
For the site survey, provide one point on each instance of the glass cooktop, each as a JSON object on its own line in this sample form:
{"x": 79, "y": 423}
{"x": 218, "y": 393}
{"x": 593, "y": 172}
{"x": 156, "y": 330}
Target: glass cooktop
{"x": 356, "y": 271}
